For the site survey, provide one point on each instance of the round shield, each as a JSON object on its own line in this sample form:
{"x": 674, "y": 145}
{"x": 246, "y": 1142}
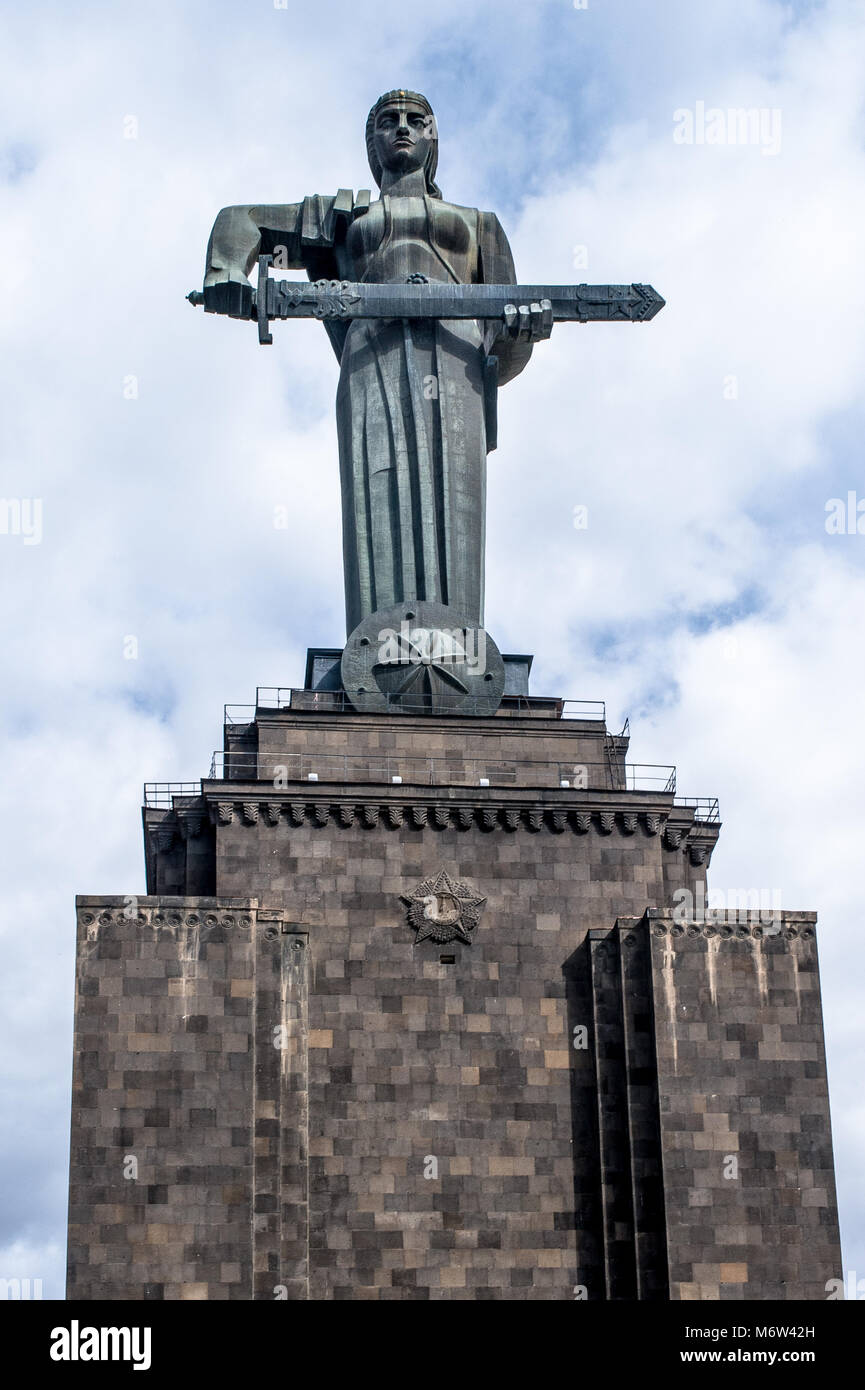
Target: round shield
{"x": 422, "y": 658}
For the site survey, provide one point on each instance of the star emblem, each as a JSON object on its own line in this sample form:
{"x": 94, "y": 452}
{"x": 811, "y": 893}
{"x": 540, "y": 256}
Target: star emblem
{"x": 422, "y": 657}
{"x": 443, "y": 909}
{"x": 422, "y": 666}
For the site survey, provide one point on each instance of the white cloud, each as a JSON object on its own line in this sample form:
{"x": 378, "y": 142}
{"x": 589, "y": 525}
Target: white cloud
{"x": 158, "y": 511}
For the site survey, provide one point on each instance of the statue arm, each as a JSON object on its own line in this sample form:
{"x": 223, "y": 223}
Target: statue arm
{"x": 301, "y": 236}
{"x": 496, "y": 267}
{"x": 240, "y": 234}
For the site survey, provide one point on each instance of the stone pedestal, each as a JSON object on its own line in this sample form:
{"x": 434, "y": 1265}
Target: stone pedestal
{"x": 408, "y": 1013}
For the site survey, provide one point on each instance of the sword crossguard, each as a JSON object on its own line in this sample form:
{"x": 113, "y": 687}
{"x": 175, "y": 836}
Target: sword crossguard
{"x": 265, "y": 337}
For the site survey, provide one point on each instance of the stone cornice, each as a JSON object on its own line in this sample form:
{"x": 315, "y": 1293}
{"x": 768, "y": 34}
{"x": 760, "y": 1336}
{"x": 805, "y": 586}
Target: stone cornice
{"x": 523, "y": 797}
{"x": 728, "y": 924}
{"x": 723, "y": 924}
{"x": 195, "y": 914}
{"x": 676, "y": 826}
{"x": 617, "y": 815}
{"x": 729, "y": 928}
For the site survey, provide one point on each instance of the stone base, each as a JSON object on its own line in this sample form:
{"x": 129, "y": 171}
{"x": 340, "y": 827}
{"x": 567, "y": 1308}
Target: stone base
{"x": 437, "y": 1034}
{"x": 267, "y": 1111}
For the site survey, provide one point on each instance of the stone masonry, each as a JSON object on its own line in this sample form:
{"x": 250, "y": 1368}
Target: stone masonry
{"x": 283, "y": 1089}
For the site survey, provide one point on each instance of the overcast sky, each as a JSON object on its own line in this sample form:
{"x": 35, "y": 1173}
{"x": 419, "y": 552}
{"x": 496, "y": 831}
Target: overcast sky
{"x": 705, "y": 598}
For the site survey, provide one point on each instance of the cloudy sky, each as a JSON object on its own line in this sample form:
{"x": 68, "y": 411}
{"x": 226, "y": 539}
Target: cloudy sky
{"x": 149, "y": 445}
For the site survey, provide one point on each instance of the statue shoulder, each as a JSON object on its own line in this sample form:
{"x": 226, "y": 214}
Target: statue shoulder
{"x": 343, "y": 203}
{"x": 491, "y": 226}
{"x": 496, "y": 259}
{"x": 470, "y": 215}
{"x": 315, "y": 217}
{"x": 324, "y": 217}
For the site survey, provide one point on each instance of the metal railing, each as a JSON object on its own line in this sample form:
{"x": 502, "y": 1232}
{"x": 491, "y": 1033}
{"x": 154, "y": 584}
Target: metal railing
{"x": 280, "y": 697}
{"x": 638, "y": 777}
{"x": 282, "y": 768}
{"x": 238, "y": 714}
{"x": 706, "y": 808}
{"x": 162, "y": 795}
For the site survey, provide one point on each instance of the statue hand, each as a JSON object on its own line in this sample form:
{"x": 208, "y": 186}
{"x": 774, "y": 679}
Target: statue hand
{"x": 528, "y": 323}
{"x": 232, "y": 297}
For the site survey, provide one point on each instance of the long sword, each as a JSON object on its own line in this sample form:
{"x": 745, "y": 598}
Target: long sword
{"x": 344, "y": 299}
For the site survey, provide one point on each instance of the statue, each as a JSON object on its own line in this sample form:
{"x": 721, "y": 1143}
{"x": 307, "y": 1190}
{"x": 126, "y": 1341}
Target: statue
{"x": 416, "y": 401}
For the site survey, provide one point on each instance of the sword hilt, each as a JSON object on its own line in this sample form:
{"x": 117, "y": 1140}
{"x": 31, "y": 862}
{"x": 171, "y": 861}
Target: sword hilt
{"x": 197, "y": 300}
{"x": 259, "y": 300}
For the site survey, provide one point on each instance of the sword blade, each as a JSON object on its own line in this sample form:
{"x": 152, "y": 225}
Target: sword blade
{"x": 346, "y": 300}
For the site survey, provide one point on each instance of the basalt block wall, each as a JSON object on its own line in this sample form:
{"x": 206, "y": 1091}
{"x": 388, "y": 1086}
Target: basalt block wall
{"x": 282, "y": 1090}
{"x": 749, "y": 1179}
{"x": 270, "y": 1109}
{"x": 189, "y": 1125}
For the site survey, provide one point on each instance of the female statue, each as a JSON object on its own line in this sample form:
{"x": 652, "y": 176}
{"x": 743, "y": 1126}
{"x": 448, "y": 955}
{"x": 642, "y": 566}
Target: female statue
{"x": 416, "y": 398}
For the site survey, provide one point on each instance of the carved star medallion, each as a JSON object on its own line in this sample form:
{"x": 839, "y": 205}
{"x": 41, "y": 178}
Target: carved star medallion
{"x": 422, "y": 658}
{"x": 444, "y": 909}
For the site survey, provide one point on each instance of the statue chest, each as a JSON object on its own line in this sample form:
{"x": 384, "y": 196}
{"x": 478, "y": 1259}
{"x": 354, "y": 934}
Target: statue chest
{"x": 399, "y": 237}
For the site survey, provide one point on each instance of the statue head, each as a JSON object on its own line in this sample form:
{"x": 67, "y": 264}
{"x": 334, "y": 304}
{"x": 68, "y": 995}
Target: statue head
{"x": 401, "y": 135}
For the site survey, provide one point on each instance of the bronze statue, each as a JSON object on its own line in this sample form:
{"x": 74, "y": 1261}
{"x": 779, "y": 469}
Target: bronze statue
{"x": 413, "y": 397}
{"x": 419, "y": 299}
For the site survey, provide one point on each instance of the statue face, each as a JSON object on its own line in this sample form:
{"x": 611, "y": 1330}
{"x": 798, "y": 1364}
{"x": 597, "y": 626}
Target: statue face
{"x": 402, "y": 133}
